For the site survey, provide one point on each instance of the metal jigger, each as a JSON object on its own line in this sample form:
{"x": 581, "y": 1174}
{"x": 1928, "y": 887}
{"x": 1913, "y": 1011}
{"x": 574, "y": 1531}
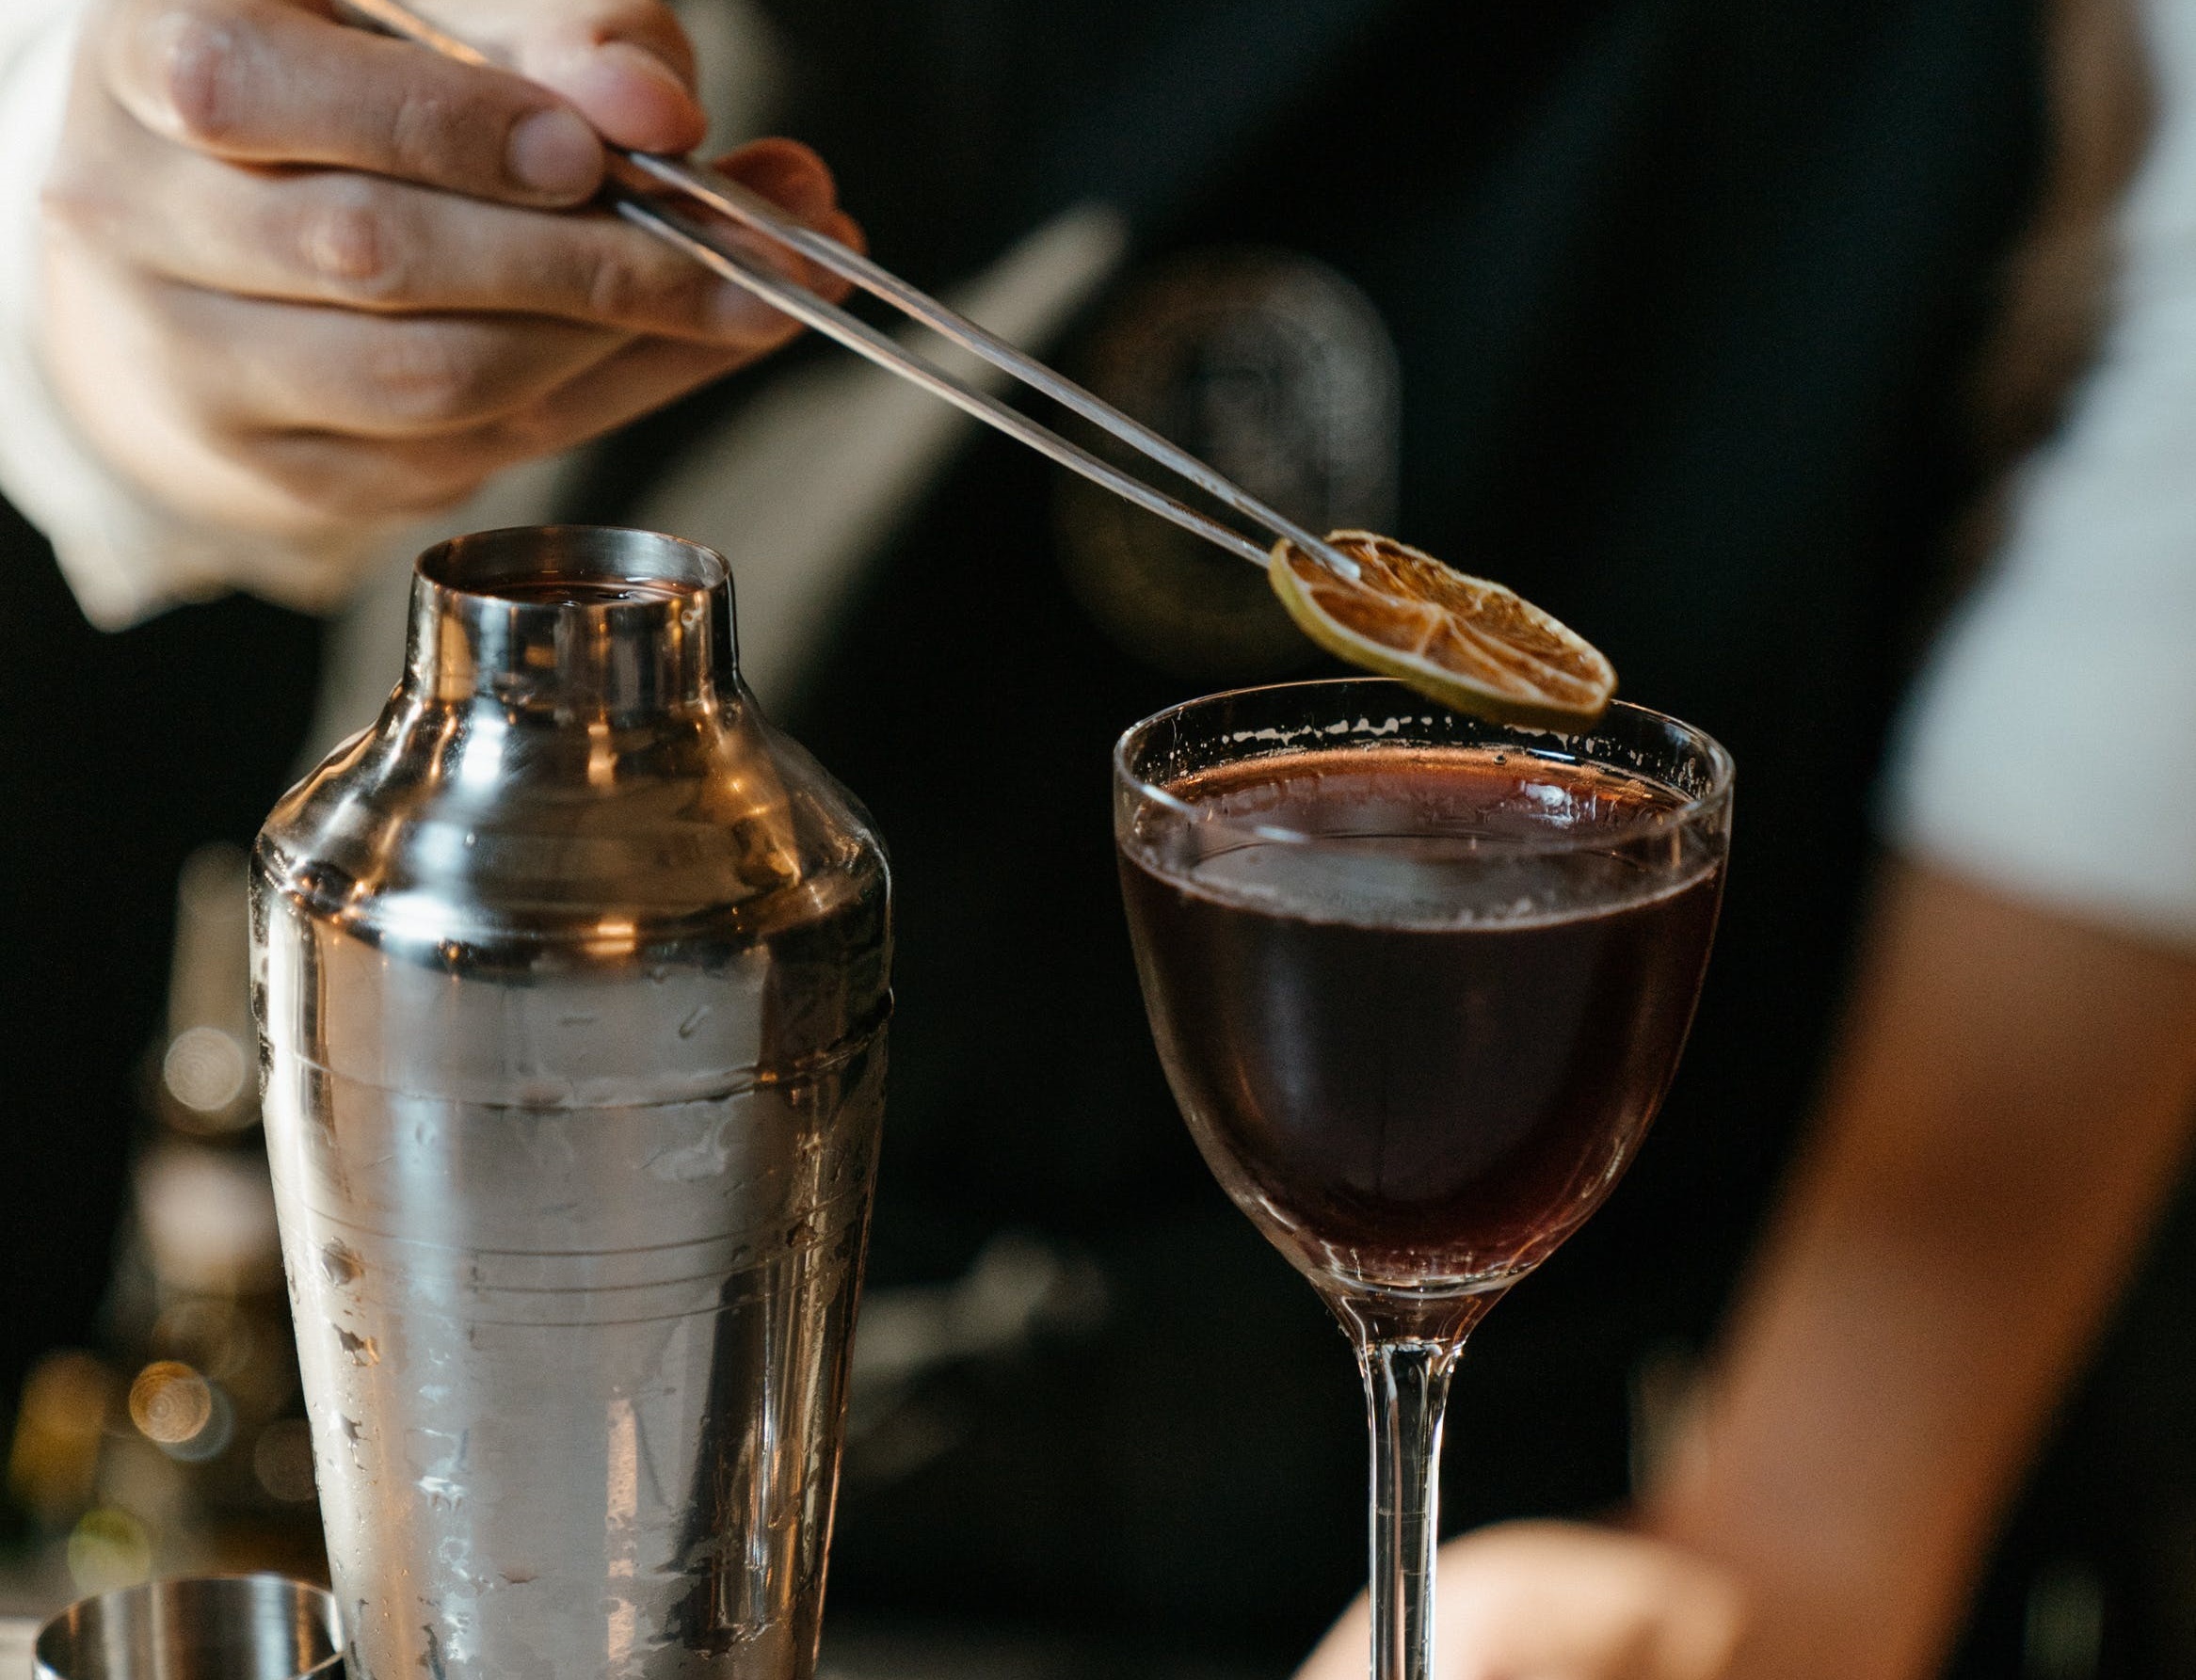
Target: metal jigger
{"x": 572, "y": 975}
{"x": 227, "y": 1627}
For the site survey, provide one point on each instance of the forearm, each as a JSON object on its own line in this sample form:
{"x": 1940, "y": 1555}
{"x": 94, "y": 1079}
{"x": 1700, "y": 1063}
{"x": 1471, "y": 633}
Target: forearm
{"x": 2008, "y": 1110}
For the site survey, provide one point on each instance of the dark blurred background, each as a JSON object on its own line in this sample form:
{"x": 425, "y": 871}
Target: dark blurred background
{"x": 1678, "y": 305}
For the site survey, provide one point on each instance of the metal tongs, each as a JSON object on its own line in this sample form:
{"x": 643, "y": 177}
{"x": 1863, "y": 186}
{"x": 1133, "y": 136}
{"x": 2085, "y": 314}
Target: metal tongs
{"x": 632, "y": 192}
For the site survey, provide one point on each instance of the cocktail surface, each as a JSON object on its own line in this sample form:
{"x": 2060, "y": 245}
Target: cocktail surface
{"x": 1420, "y": 1004}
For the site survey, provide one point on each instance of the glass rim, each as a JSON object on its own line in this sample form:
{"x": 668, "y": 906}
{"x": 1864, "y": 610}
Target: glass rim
{"x": 1723, "y": 770}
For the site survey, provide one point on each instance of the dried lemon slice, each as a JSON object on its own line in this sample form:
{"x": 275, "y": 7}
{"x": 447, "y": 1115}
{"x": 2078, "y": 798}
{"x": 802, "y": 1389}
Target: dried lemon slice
{"x": 1463, "y": 640}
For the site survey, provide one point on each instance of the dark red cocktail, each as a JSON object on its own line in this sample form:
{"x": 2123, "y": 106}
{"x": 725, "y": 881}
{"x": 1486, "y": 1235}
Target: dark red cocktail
{"x": 1419, "y": 981}
{"x": 1419, "y": 1050}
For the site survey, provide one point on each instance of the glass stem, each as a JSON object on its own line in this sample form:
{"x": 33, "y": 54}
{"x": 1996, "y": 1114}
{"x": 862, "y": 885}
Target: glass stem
{"x": 1406, "y": 1386}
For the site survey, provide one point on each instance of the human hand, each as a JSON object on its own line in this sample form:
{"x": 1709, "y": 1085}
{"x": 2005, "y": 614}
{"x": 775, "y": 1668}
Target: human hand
{"x": 297, "y": 275}
{"x": 1561, "y": 1601}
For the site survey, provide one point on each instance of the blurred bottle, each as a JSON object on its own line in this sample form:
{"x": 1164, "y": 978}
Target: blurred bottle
{"x": 207, "y": 1085}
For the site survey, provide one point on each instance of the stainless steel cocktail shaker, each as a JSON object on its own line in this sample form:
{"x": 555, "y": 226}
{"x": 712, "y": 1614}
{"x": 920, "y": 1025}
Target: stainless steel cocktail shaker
{"x": 572, "y": 975}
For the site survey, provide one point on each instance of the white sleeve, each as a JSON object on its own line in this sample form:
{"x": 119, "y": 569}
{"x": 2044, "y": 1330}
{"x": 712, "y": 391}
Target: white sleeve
{"x": 124, "y": 556}
{"x": 2049, "y": 748}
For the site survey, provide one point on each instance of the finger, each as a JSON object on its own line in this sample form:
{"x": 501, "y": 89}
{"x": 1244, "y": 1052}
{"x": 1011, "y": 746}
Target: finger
{"x": 248, "y": 474}
{"x": 243, "y": 362}
{"x": 797, "y": 179}
{"x": 385, "y": 246}
{"x": 1548, "y": 1600}
{"x": 625, "y": 64}
{"x": 1559, "y": 1599}
{"x": 786, "y": 172}
{"x": 343, "y": 477}
{"x": 638, "y": 379}
{"x": 262, "y": 81}
{"x": 1340, "y": 1652}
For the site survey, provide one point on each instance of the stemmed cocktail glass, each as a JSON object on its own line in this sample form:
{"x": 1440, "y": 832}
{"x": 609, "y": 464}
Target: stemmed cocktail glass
{"x": 1419, "y": 981}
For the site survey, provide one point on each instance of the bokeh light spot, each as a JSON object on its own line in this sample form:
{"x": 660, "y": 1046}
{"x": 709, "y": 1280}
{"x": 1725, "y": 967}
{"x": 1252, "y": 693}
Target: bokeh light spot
{"x": 169, "y": 1403}
{"x": 282, "y": 1460}
{"x": 205, "y": 1069}
{"x": 53, "y": 1458}
{"x": 108, "y": 1548}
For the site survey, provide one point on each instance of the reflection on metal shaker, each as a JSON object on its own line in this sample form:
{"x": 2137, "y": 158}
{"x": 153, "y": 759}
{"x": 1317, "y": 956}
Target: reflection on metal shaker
{"x": 573, "y": 978}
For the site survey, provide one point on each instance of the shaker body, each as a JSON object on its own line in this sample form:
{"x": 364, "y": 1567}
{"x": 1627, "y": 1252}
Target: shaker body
{"x": 573, "y": 982}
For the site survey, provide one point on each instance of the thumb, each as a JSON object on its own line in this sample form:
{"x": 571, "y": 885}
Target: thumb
{"x": 626, "y": 65}
{"x": 1561, "y": 1601}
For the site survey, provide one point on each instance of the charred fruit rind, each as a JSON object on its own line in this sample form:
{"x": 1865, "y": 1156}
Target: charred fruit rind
{"x": 1470, "y": 643}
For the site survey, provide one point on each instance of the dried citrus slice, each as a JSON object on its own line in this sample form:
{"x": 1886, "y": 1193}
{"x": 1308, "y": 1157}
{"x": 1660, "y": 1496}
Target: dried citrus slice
{"x": 1463, "y": 640}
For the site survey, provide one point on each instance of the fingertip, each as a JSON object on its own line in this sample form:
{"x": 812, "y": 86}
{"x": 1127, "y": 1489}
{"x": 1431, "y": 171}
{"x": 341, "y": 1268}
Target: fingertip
{"x": 822, "y": 282}
{"x": 633, "y": 97}
{"x": 794, "y": 178}
{"x": 554, "y": 154}
{"x": 738, "y": 318}
{"x": 665, "y": 116}
{"x": 848, "y": 231}
{"x": 788, "y": 173}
